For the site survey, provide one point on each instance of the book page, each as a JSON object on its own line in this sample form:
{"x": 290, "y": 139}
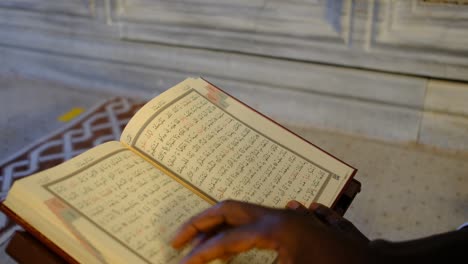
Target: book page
{"x": 228, "y": 151}
{"x": 107, "y": 206}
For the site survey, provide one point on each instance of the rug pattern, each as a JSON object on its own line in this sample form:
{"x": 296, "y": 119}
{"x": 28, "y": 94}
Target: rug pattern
{"x": 102, "y": 123}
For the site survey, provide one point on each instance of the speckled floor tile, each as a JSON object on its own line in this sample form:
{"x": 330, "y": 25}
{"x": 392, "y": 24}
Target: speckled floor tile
{"x": 407, "y": 191}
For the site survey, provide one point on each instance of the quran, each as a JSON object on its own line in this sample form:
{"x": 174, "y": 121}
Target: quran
{"x": 185, "y": 150}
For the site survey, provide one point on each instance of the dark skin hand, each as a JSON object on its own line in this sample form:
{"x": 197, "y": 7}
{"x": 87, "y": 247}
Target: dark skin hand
{"x": 298, "y": 234}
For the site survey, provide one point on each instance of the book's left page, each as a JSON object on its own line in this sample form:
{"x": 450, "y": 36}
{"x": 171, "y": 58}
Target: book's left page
{"x": 107, "y": 205}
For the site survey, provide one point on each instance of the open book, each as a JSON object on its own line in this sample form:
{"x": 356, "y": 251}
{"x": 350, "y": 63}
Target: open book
{"x": 186, "y": 149}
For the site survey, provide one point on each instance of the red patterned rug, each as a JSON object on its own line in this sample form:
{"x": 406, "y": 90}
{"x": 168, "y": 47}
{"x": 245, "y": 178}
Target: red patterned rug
{"x": 100, "y": 124}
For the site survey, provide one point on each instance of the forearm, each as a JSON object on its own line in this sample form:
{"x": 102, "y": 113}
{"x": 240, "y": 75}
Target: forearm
{"x": 442, "y": 248}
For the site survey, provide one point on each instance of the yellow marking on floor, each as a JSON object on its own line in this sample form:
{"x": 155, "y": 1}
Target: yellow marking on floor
{"x": 70, "y": 115}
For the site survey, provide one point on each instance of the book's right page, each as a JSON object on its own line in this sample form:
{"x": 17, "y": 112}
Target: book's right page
{"x": 225, "y": 150}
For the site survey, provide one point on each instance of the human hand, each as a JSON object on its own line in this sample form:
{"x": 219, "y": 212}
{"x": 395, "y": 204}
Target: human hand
{"x": 297, "y": 235}
{"x": 330, "y": 218}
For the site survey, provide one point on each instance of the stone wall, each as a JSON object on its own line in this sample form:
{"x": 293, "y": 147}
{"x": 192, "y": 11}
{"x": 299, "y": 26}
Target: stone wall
{"x": 391, "y": 70}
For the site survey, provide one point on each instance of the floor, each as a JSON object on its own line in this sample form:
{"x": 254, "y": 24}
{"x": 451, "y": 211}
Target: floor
{"x": 31, "y": 109}
{"x": 407, "y": 191}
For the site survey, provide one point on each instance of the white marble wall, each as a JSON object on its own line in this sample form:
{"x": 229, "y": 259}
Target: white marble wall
{"x": 363, "y": 67}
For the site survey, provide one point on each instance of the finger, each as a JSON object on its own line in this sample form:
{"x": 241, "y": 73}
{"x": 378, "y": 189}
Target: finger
{"x": 324, "y": 213}
{"x": 194, "y": 228}
{"x": 231, "y": 242}
{"x": 200, "y": 238}
{"x": 231, "y": 213}
{"x": 331, "y": 217}
{"x": 203, "y": 237}
{"x": 296, "y": 206}
{"x": 226, "y": 258}
{"x": 335, "y": 220}
{"x": 314, "y": 206}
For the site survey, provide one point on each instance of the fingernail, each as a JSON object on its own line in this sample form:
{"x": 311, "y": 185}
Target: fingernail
{"x": 293, "y": 204}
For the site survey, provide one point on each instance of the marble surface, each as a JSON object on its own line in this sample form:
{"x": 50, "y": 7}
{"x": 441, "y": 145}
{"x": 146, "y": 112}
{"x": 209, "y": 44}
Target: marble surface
{"x": 446, "y": 97}
{"x": 30, "y": 109}
{"x": 376, "y": 104}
